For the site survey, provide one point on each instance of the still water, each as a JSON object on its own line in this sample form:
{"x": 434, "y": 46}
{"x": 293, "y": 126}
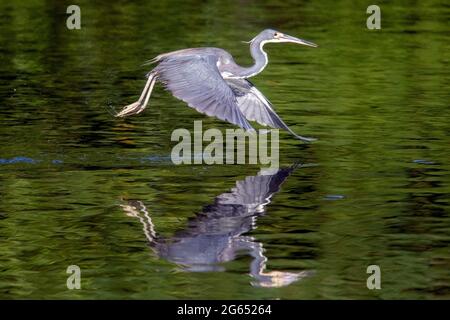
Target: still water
{"x": 80, "y": 187}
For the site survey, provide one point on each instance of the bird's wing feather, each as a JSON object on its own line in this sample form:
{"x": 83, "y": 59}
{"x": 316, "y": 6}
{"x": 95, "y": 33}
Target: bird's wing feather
{"x": 196, "y": 80}
{"x": 255, "y": 106}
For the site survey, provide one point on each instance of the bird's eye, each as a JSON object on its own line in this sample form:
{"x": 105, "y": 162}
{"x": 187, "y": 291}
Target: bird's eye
{"x": 276, "y": 34}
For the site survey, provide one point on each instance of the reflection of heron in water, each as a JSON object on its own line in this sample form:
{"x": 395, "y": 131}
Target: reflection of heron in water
{"x": 214, "y": 236}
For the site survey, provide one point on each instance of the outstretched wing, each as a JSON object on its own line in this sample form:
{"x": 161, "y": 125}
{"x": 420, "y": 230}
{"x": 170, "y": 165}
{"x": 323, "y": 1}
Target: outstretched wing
{"x": 196, "y": 80}
{"x": 256, "y": 190}
{"x": 256, "y": 107}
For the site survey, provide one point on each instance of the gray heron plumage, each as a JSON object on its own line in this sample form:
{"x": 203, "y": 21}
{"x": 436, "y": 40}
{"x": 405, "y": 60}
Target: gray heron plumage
{"x": 209, "y": 80}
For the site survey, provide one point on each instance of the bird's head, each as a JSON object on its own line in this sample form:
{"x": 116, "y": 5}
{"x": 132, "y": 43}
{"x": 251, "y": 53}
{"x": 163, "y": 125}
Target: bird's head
{"x": 275, "y": 36}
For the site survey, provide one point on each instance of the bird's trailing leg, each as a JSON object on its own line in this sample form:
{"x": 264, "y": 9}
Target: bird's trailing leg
{"x": 139, "y": 106}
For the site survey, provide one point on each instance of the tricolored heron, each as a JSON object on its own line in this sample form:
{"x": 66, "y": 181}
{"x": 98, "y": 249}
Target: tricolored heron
{"x": 209, "y": 80}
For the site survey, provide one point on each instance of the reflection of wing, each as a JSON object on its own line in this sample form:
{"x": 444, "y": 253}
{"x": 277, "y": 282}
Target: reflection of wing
{"x": 255, "y": 106}
{"x": 255, "y": 190}
{"x": 197, "y": 81}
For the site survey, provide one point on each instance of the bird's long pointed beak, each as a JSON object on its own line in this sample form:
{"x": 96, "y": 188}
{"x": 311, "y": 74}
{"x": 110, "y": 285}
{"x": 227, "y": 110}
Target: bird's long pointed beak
{"x": 287, "y": 38}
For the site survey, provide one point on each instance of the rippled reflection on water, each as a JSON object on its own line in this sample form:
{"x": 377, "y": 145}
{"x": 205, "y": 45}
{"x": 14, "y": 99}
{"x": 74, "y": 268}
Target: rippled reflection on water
{"x": 215, "y": 235}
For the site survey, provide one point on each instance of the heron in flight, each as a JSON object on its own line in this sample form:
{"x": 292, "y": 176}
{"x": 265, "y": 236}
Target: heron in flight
{"x": 209, "y": 80}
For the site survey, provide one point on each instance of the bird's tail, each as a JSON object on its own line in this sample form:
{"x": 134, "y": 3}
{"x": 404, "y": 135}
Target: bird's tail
{"x": 139, "y": 106}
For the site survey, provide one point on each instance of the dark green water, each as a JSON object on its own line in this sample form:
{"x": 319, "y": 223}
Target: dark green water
{"x": 375, "y": 189}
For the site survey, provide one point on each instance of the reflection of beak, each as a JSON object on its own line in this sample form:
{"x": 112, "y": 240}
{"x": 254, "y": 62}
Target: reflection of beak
{"x": 286, "y": 38}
